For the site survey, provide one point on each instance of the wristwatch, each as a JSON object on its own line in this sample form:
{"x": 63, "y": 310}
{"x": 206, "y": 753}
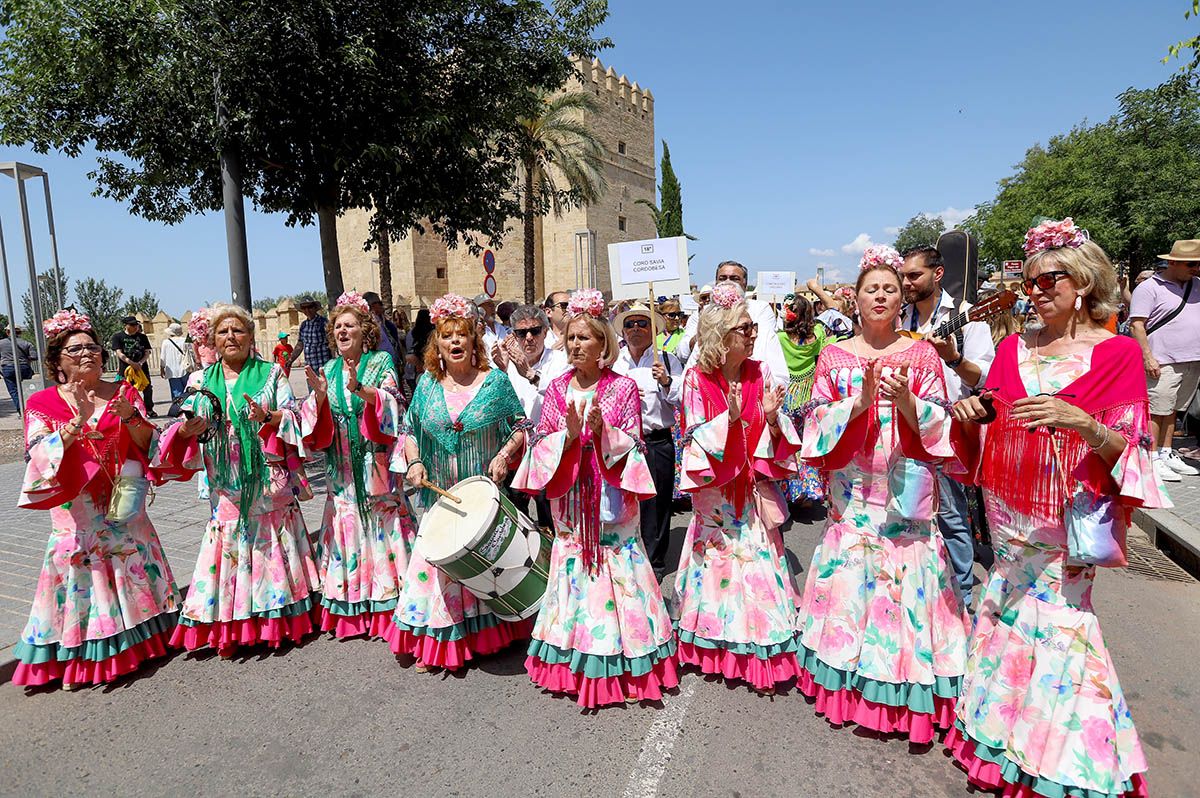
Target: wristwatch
{"x": 955, "y": 363}
{"x": 534, "y": 378}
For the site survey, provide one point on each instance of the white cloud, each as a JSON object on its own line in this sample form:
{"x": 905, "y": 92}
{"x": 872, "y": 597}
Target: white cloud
{"x": 859, "y": 245}
{"x": 891, "y": 230}
{"x": 952, "y": 216}
{"x": 821, "y": 253}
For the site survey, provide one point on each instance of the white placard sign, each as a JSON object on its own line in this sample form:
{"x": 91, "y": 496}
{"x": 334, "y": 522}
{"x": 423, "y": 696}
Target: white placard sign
{"x": 774, "y": 286}
{"x": 634, "y": 264}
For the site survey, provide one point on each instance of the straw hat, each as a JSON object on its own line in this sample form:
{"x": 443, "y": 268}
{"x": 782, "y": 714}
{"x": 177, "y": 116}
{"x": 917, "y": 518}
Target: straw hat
{"x": 1186, "y": 249}
{"x": 638, "y": 309}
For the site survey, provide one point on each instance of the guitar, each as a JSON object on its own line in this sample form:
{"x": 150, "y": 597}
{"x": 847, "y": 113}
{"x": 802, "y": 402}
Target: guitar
{"x": 992, "y": 306}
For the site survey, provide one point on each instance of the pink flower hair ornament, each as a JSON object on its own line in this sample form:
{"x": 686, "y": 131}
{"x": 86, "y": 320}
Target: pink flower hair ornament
{"x": 727, "y": 294}
{"x": 64, "y": 320}
{"x": 353, "y": 299}
{"x": 878, "y": 255}
{"x": 198, "y": 326}
{"x": 449, "y": 306}
{"x": 589, "y": 301}
{"x": 1052, "y": 234}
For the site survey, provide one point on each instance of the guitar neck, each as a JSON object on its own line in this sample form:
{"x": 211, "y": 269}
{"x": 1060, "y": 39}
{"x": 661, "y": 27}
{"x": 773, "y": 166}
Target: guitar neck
{"x": 952, "y": 325}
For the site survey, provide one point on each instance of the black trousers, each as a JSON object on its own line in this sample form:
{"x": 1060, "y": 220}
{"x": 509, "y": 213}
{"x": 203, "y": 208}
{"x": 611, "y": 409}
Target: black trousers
{"x": 541, "y": 505}
{"x": 656, "y": 512}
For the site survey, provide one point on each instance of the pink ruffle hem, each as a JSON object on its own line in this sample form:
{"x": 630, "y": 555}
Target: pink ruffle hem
{"x": 761, "y": 674}
{"x": 86, "y": 671}
{"x": 848, "y": 706}
{"x": 606, "y": 691}
{"x": 368, "y": 624}
{"x": 986, "y": 775}
{"x": 225, "y": 636}
{"x": 454, "y": 654}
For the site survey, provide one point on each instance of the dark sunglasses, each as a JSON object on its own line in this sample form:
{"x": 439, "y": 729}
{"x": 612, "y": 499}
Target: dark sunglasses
{"x": 529, "y": 332}
{"x": 559, "y": 305}
{"x": 679, "y": 315}
{"x": 1044, "y": 281}
{"x": 641, "y": 324}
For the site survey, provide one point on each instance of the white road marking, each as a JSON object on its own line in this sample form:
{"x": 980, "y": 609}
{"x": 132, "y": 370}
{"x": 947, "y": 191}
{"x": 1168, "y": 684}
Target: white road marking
{"x": 659, "y": 741}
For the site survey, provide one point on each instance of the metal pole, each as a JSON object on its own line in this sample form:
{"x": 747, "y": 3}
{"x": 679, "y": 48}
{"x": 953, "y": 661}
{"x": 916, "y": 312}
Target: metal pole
{"x": 12, "y": 321}
{"x": 53, "y": 242}
{"x": 235, "y": 210}
{"x": 35, "y": 290}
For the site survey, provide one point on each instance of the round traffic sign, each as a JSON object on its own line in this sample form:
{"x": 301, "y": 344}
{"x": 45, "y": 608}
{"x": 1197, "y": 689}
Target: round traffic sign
{"x": 489, "y": 261}
{"x": 489, "y": 285}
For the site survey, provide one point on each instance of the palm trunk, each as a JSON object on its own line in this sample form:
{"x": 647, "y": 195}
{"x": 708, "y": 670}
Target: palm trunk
{"x": 331, "y": 261}
{"x": 530, "y": 262}
{"x": 384, "y": 241}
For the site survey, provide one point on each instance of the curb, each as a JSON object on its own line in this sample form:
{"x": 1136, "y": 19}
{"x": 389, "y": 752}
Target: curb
{"x": 1173, "y": 536}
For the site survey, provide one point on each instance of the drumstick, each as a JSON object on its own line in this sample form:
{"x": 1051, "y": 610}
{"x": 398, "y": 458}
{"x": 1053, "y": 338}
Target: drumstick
{"x": 427, "y": 484}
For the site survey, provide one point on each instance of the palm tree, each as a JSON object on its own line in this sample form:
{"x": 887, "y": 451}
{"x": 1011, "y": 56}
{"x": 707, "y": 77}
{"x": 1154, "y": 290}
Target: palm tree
{"x": 557, "y": 144}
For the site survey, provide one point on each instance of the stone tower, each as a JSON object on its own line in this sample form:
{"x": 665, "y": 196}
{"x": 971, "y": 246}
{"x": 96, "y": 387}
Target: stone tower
{"x": 424, "y": 268}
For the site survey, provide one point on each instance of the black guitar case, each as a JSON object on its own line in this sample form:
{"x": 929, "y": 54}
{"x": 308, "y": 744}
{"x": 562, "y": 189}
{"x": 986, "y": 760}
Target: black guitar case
{"x": 961, "y": 278}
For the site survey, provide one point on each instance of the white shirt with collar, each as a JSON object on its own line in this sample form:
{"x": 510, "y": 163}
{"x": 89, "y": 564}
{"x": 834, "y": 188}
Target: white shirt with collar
{"x": 767, "y": 349}
{"x": 551, "y": 364}
{"x": 977, "y": 346}
{"x": 658, "y": 401}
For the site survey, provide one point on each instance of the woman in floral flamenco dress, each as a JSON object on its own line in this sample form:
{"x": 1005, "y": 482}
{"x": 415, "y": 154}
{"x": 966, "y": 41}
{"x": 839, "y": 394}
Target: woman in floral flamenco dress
{"x": 465, "y": 420}
{"x": 735, "y": 597}
{"x": 802, "y": 340}
{"x": 1042, "y": 712}
{"x": 353, "y": 414}
{"x": 882, "y": 629}
{"x": 603, "y": 634}
{"x": 105, "y": 600}
{"x": 255, "y": 574}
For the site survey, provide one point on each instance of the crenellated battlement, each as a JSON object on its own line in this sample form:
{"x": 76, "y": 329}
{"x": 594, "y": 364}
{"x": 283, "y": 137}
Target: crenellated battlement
{"x": 605, "y": 80}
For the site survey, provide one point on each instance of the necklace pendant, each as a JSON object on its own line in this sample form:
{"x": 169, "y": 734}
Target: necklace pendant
{"x": 94, "y": 435}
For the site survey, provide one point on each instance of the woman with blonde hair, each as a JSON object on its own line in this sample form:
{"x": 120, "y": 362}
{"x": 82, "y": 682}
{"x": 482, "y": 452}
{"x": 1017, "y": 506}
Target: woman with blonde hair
{"x": 255, "y": 574}
{"x": 465, "y": 420}
{"x": 735, "y": 597}
{"x": 1062, "y": 465}
{"x": 602, "y": 634}
{"x": 354, "y": 414}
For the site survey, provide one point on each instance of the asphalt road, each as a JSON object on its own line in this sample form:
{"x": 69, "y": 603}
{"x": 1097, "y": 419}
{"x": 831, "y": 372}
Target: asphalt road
{"x": 343, "y": 718}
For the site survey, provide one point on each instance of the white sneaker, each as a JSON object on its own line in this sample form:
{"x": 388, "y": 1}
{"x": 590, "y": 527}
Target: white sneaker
{"x": 1176, "y": 464}
{"x": 1164, "y": 471}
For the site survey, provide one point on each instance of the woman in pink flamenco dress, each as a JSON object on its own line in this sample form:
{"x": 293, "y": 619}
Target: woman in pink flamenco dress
{"x": 882, "y": 629}
{"x": 735, "y": 596}
{"x": 105, "y": 600}
{"x": 255, "y": 575}
{"x": 603, "y": 634}
{"x": 354, "y": 415}
{"x": 1042, "y": 712}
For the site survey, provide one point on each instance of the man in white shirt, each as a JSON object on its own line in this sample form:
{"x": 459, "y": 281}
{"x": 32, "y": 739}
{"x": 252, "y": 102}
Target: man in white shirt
{"x": 659, "y": 377}
{"x": 556, "y": 310}
{"x": 767, "y": 349}
{"x": 531, "y": 366}
{"x": 966, "y": 358}
{"x": 487, "y": 309}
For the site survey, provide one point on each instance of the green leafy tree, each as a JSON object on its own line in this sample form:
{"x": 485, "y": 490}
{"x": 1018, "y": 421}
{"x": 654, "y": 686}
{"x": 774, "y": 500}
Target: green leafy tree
{"x": 404, "y": 105}
{"x": 145, "y": 303}
{"x": 668, "y": 219}
{"x": 1192, "y": 43}
{"x": 562, "y": 164}
{"x": 102, "y": 303}
{"x": 921, "y": 230}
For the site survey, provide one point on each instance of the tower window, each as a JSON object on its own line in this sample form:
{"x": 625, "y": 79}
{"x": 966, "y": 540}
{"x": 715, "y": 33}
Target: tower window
{"x": 621, "y": 147}
{"x": 621, "y": 223}
{"x": 441, "y": 272}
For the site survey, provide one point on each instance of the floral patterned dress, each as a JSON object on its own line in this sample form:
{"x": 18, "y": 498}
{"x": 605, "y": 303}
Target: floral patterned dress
{"x": 883, "y": 632}
{"x": 367, "y": 529}
{"x": 603, "y": 634}
{"x": 801, "y": 359}
{"x": 256, "y": 573}
{"x": 105, "y": 599}
{"x": 735, "y": 596}
{"x": 438, "y": 621}
{"x": 1041, "y": 710}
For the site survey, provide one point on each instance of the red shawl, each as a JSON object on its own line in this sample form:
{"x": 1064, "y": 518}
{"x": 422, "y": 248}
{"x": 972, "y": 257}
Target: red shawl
{"x": 1017, "y": 465}
{"x": 85, "y": 461}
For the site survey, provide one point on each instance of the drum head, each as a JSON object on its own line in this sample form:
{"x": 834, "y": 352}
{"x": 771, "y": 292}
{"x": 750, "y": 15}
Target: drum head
{"x": 447, "y": 528}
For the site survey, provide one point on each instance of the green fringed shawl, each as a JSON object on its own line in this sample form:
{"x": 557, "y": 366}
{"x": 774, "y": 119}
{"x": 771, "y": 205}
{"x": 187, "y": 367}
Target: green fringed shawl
{"x": 453, "y": 451}
{"x": 248, "y": 475}
{"x": 373, "y": 369}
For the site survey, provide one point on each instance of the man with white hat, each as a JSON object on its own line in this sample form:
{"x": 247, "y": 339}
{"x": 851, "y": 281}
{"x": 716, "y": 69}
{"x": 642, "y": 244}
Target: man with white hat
{"x": 1164, "y": 315}
{"x": 659, "y": 377}
{"x": 175, "y": 361}
{"x": 766, "y": 348}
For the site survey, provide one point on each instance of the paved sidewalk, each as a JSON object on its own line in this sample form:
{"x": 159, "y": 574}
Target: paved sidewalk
{"x": 1176, "y": 532}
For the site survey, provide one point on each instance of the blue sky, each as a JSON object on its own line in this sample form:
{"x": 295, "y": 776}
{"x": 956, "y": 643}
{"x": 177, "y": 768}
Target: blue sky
{"x": 800, "y": 131}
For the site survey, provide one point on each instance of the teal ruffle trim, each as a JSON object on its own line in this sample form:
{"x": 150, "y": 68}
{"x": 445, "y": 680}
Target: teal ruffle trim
{"x": 295, "y": 608}
{"x": 916, "y": 697}
{"x": 353, "y": 609}
{"x": 458, "y": 631}
{"x": 788, "y": 646}
{"x": 598, "y": 666}
{"x": 96, "y": 650}
{"x": 1011, "y": 772}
